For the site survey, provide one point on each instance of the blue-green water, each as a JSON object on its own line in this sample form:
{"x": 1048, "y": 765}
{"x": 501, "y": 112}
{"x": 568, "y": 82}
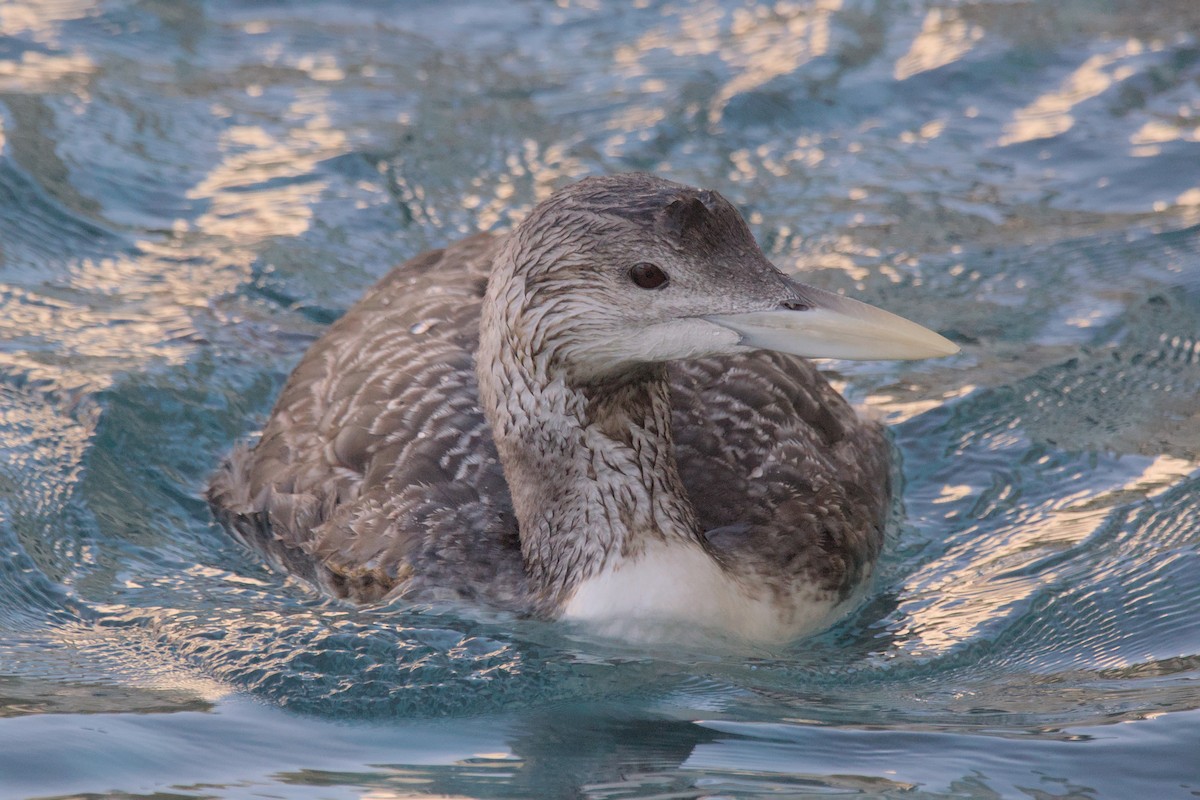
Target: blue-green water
{"x": 190, "y": 190}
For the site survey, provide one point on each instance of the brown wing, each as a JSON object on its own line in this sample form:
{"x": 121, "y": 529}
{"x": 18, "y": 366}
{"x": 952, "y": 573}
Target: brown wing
{"x": 376, "y": 470}
{"x": 790, "y": 484}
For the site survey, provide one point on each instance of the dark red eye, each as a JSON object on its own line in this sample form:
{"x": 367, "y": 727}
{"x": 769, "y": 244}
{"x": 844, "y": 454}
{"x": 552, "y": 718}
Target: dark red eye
{"x": 647, "y": 275}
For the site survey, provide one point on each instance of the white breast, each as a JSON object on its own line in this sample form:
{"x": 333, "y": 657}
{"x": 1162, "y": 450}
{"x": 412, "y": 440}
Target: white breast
{"x": 680, "y": 587}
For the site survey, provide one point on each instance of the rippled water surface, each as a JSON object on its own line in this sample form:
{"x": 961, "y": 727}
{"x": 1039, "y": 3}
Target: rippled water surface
{"x": 190, "y": 191}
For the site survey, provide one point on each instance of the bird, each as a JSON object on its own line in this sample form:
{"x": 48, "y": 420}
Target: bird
{"x": 606, "y": 416}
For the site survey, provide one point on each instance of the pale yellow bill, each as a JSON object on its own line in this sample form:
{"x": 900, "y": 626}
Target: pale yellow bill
{"x": 833, "y": 326}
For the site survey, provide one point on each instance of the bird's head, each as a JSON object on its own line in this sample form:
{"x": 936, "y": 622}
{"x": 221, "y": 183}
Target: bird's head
{"x": 619, "y": 271}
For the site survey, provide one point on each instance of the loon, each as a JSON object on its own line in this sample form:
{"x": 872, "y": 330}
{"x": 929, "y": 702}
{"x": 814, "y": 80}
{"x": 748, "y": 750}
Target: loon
{"x": 605, "y": 415}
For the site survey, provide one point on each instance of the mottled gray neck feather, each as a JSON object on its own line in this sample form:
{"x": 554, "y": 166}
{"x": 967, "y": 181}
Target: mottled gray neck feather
{"x": 590, "y": 464}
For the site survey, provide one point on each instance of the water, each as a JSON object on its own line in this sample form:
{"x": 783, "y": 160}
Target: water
{"x": 190, "y": 191}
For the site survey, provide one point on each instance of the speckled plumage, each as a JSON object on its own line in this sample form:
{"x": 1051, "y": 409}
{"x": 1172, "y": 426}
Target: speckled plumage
{"x": 378, "y": 472}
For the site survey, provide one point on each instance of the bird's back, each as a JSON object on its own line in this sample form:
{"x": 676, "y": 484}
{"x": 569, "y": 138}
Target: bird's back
{"x": 376, "y": 472}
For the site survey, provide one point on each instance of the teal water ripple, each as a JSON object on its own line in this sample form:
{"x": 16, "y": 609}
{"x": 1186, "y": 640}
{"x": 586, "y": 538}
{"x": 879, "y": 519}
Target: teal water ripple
{"x": 190, "y": 192}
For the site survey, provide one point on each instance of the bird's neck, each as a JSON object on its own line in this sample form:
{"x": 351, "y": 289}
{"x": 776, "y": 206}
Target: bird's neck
{"x": 590, "y": 465}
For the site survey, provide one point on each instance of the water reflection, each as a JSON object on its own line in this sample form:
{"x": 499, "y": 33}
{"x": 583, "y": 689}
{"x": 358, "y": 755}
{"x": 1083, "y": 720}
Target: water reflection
{"x": 588, "y": 753}
{"x": 265, "y": 187}
{"x": 1050, "y": 114}
{"x": 37, "y": 73}
{"x": 26, "y": 695}
{"x": 769, "y": 42}
{"x": 945, "y": 37}
{"x": 598, "y": 755}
